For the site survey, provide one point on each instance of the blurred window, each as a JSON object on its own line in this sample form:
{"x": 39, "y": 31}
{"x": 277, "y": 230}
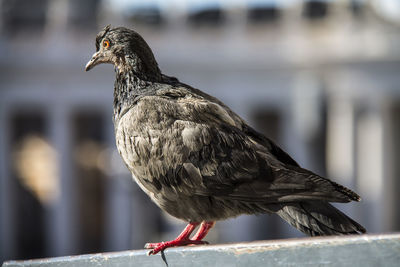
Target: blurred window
{"x": 83, "y": 13}
{"x": 88, "y": 146}
{"x": 357, "y": 7}
{"x": 22, "y": 15}
{"x": 207, "y": 16}
{"x": 147, "y": 15}
{"x": 261, "y": 14}
{"x": 315, "y": 9}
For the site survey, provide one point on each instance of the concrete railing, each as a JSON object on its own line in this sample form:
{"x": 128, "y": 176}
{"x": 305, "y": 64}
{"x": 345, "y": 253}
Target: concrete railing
{"x": 364, "y": 250}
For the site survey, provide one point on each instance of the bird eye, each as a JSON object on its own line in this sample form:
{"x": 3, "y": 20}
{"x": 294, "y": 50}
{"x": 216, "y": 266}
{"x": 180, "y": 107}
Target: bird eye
{"x": 106, "y": 44}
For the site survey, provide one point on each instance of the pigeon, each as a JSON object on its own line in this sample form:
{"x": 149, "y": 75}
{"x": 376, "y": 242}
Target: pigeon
{"x": 198, "y": 160}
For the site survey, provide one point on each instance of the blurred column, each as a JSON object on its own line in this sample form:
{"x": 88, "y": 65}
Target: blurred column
{"x": 61, "y": 217}
{"x": 118, "y": 204}
{"x": 390, "y": 192}
{"x": 340, "y": 140}
{"x": 307, "y": 115}
{"x": 7, "y": 231}
{"x": 370, "y": 168}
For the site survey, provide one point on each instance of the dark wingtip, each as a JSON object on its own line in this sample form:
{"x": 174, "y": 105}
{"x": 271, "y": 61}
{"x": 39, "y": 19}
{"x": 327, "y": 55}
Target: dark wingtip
{"x": 354, "y": 196}
{"x": 362, "y": 230}
{"x": 349, "y": 193}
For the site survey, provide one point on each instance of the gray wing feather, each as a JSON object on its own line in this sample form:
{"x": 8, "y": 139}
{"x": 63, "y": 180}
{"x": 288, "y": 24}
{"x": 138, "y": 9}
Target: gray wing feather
{"x": 229, "y": 159}
{"x": 208, "y": 150}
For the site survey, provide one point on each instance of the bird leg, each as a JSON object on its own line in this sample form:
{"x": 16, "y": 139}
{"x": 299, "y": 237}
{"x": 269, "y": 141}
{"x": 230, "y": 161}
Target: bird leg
{"x": 205, "y": 227}
{"x": 182, "y": 240}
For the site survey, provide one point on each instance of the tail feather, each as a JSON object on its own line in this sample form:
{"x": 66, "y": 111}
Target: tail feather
{"x": 317, "y": 218}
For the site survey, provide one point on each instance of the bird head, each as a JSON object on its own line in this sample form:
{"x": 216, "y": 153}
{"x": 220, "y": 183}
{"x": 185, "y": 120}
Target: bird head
{"x": 126, "y": 50}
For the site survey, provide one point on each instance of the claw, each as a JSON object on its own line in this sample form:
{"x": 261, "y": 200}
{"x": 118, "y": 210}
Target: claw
{"x": 153, "y": 245}
{"x": 157, "y": 247}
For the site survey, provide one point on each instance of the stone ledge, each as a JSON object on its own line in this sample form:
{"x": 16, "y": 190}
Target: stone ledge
{"x": 363, "y": 250}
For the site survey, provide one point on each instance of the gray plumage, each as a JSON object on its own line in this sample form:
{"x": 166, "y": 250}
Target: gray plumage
{"x": 197, "y": 159}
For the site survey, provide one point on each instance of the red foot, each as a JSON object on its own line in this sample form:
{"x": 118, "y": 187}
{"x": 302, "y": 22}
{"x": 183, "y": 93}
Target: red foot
{"x": 157, "y": 247}
{"x": 183, "y": 238}
{"x": 205, "y": 227}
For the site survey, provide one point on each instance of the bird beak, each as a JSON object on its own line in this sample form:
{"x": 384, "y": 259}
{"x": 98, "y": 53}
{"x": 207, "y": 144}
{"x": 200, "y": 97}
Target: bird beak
{"x": 95, "y": 60}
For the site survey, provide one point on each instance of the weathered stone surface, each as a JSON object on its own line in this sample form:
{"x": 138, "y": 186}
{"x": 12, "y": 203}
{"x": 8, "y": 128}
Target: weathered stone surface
{"x": 363, "y": 250}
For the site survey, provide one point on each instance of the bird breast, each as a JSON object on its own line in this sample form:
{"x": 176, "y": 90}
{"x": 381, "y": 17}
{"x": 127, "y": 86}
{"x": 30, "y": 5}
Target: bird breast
{"x": 152, "y": 141}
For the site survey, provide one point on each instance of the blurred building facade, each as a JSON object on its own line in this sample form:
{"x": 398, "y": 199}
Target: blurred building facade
{"x": 321, "y": 78}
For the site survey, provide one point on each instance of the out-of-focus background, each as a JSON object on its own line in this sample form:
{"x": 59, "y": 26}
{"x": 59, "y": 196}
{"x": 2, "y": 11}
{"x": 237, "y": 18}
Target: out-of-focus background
{"x": 320, "y": 77}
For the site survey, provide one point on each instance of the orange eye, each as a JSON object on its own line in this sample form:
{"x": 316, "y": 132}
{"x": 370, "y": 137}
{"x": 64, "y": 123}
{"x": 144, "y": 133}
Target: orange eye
{"x": 106, "y": 44}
